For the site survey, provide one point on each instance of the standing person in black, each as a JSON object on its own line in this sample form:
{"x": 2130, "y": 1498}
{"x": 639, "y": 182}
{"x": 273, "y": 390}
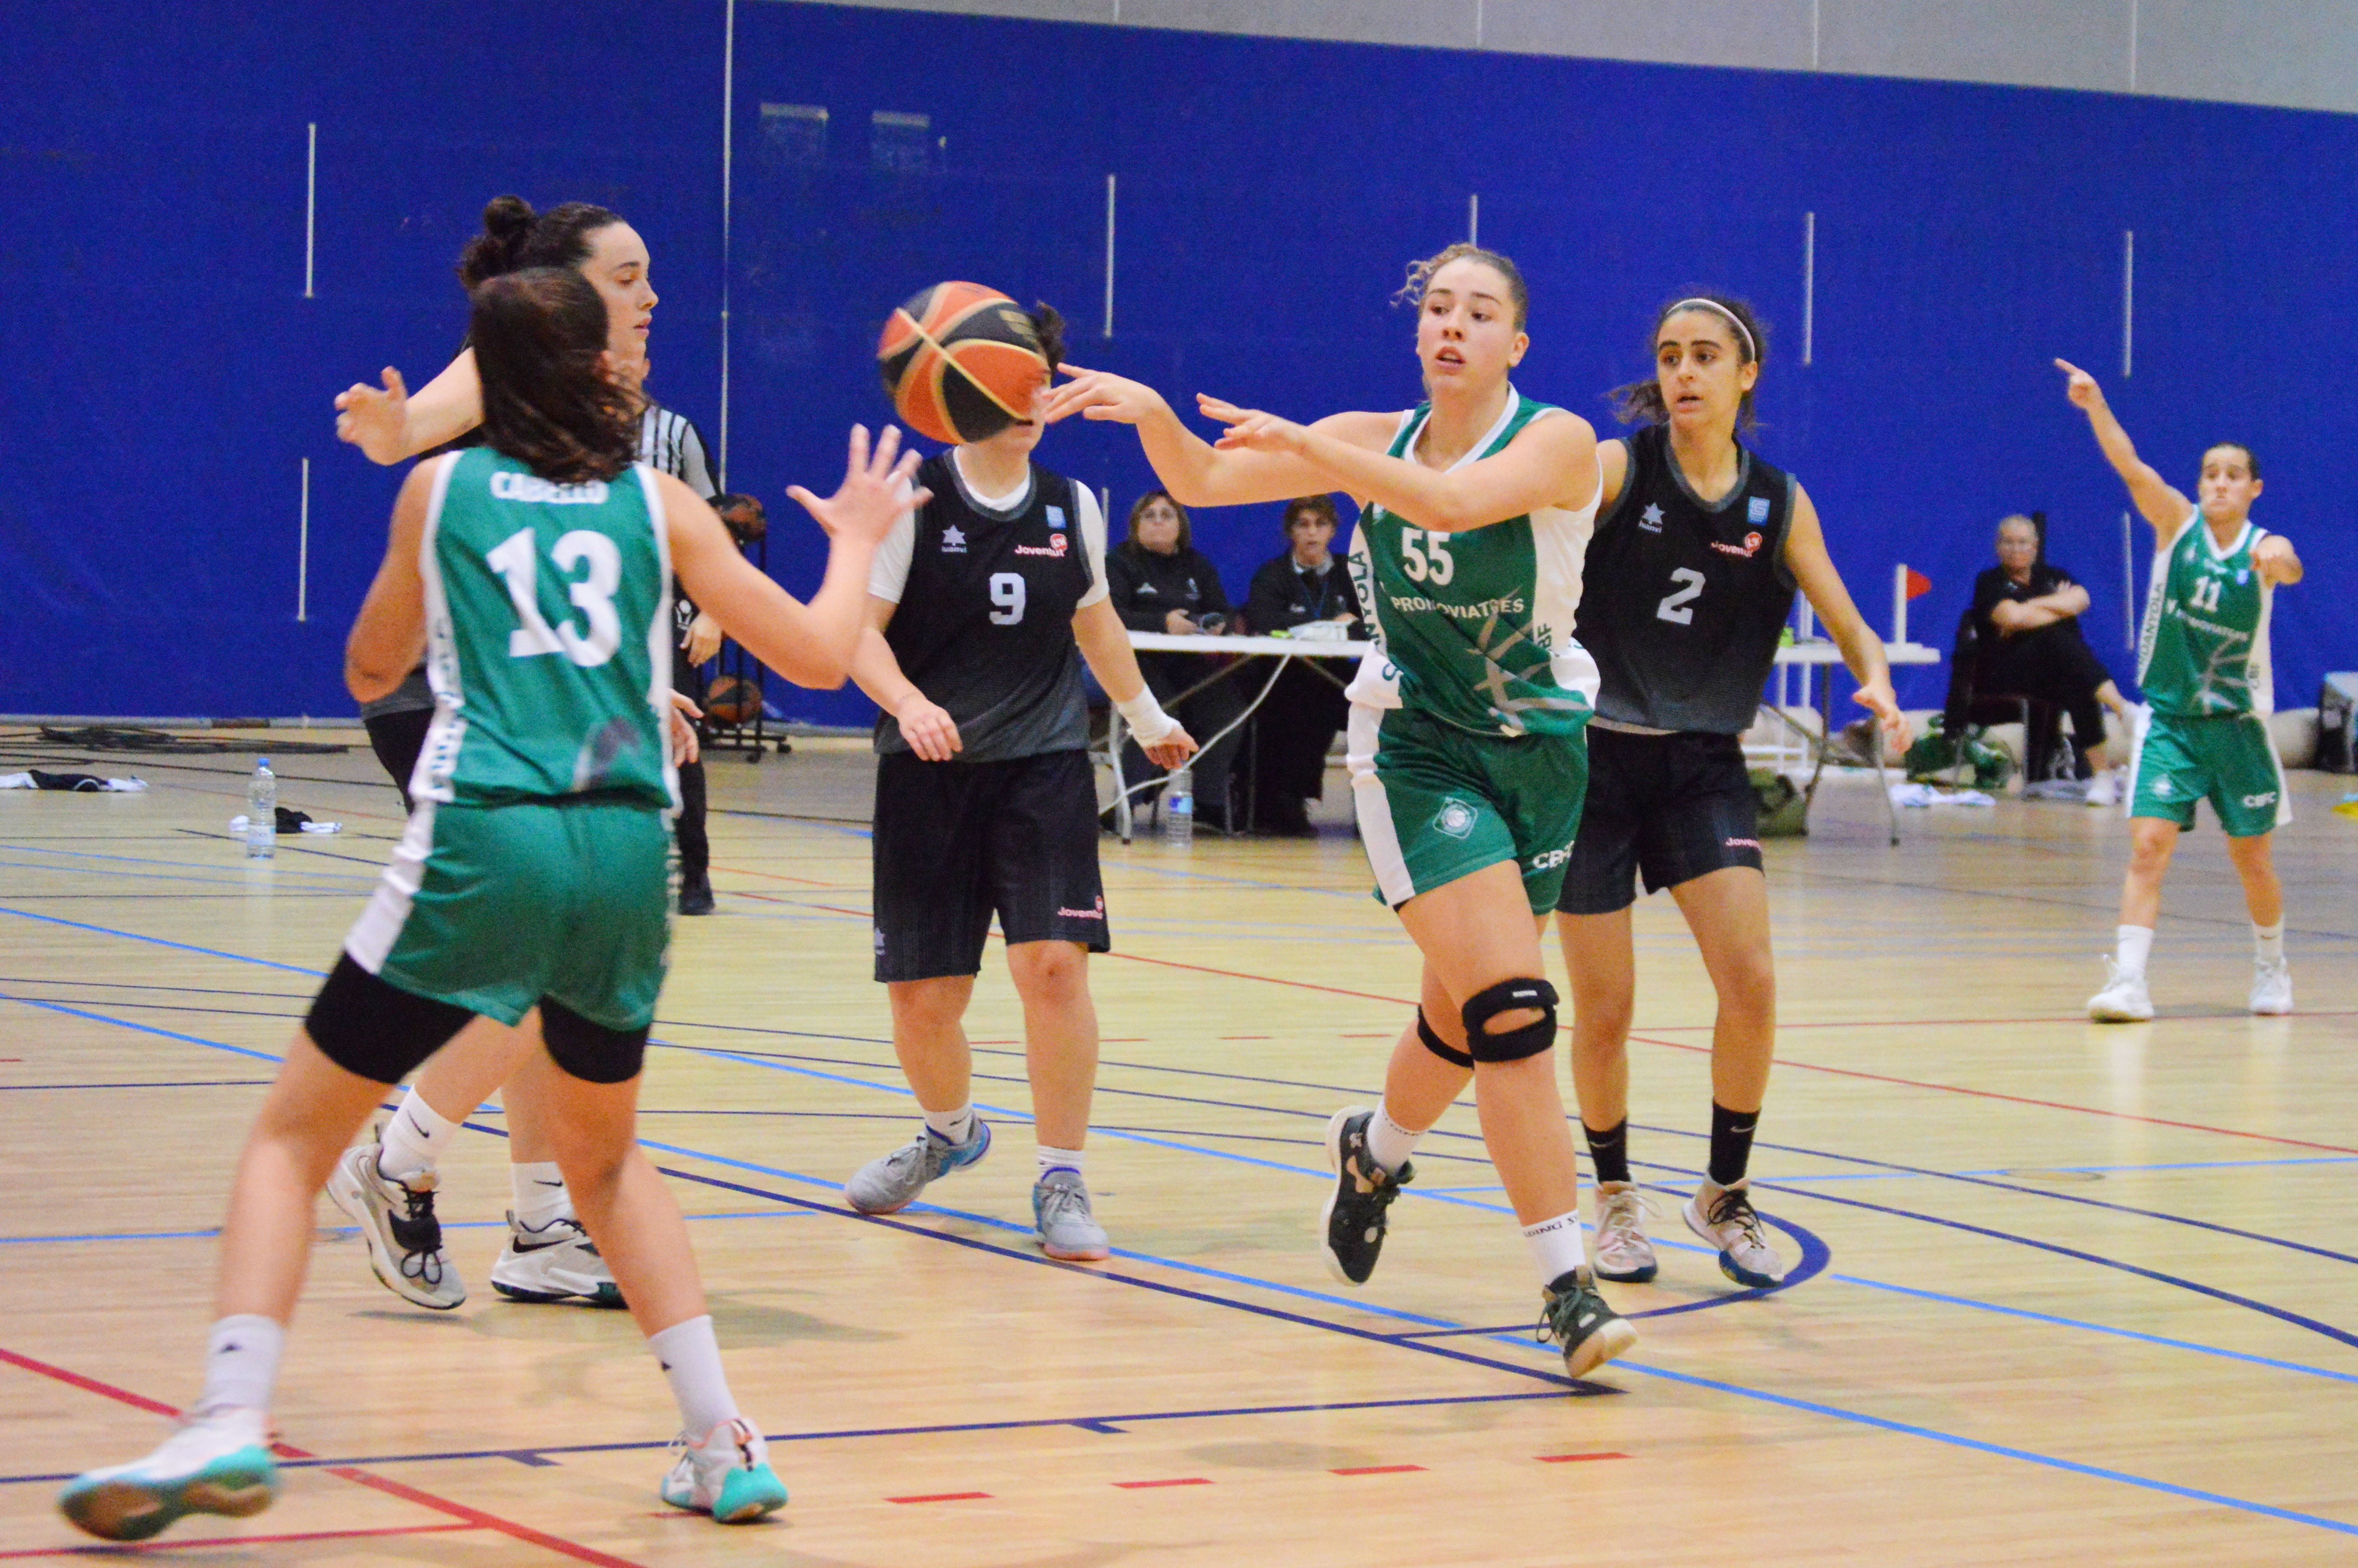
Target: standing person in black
{"x": 670, "y": 443}
{"x": 1161, "y": 582}
{"x": 2023, "y": 639}
{"x": 1698, "y": 548}
{"x": 983, "y": 603}
{"x": 1305, "y": 710}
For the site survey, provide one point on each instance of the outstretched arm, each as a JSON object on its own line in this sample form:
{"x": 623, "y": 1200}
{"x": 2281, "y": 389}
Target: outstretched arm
{"x": 390, "y": 424}
{"x": 1552, "y": 461}
{"x": 1862, "y": 650}
{"x": 389, "y": 634}
{"x": 1195, "y": 472}
{"x": 1105, "y": 645}
{"x": 2157, "y": 500}
{"x": 2277, "y": 562}
{"x": 811, "y": 645}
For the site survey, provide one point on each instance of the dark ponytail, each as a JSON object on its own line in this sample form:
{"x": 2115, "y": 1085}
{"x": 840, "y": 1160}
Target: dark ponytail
{"x": 548, "y": 401}
{"x": 515, "y": 237}
{"x": 1641, "y": 402}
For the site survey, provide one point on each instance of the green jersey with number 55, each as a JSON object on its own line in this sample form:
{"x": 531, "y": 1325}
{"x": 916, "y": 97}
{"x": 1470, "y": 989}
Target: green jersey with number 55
{"x": 1474, "y": 627}
{"x": 2204, "y": 646}
{"x": 547, "y": 635}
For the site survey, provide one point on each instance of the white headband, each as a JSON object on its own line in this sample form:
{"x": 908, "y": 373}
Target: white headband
{"x": 1713, "y": 306}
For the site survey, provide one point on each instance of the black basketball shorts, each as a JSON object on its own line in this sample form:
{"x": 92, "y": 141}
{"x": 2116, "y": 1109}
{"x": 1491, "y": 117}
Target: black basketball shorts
{"x": 957, "y": 842}
{"x": 1669, "y": 807}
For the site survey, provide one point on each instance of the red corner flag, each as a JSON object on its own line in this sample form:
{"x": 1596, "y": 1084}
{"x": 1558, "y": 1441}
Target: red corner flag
{"x": 1919, "y": 585}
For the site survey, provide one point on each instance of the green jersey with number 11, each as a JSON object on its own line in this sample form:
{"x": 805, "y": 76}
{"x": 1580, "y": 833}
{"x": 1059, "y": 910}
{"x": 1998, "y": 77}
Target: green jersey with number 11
{"x": 1474, "y": 627}
{"x": 547, "y": 635}
{"x": 2204, "y": 646}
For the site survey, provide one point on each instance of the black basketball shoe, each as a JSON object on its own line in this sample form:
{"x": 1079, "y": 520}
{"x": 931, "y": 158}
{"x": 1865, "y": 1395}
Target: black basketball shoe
{"x": 1573, "y": 1315}
{"x": 1353, "y": 1218}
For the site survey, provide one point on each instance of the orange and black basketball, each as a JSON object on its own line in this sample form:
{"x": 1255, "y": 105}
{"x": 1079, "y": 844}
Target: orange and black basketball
{"x": 960, "y": 362}
{"x": 731, "y": 699}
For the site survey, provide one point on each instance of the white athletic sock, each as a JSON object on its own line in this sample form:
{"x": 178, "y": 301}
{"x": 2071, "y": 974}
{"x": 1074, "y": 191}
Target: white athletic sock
{"x": 690, "y": 1357}
{"x": 953, "y": 1126}
{"x": 1556, "y": 1246}
{"x": 540, "y": 1198}
{"x": 1388, "y": 1144}
{"x": 414, "y": 1139}
{"x": 2134, "y": 943}
{"x": 1059, "y": 1159}
{"x": 241, "y": 1362}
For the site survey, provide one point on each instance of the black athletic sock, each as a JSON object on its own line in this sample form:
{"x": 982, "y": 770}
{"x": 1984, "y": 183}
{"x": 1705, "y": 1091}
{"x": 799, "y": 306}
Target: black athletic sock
{"x": 1731, "y": 1144}
{"x": 1610, "y": 1151}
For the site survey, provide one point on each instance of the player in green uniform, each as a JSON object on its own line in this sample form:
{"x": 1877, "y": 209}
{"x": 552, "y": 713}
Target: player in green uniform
{"x": 1468, "y": 754}
{"x": 2202, "y": 659}
{"x": 535, "y": 573}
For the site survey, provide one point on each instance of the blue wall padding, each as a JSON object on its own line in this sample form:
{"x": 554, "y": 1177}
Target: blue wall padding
{"x": 167, "y": 375}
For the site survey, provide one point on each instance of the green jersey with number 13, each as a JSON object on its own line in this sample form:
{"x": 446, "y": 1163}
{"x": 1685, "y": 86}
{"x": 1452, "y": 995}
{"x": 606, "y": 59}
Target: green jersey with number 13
{"x": 547, "y": 635}
{"x": 1474, "y": 627}
{"x": 2204, "y": 646}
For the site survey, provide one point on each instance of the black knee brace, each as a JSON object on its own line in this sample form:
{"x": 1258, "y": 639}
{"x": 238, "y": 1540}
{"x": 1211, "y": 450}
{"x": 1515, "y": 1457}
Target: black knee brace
{"x": 1511, "y": 1044}
{"x": 1437, "y": 1045}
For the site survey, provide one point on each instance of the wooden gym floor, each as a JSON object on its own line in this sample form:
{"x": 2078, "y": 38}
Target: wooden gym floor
{"x": 2066, "y": 1293}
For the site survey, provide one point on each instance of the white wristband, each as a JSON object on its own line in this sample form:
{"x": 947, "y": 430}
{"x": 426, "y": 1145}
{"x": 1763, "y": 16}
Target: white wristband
{"x": 1146, "y": 718}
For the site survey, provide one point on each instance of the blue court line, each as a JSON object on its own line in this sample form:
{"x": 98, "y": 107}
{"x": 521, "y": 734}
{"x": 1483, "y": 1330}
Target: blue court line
{"x": 1782, "y": 1401}
{"x": 2281, "y": 1313}
{"x": 142, "y": 1028}
{"x": 160, "y": 942}
{"x": 144, "y": 860}
{"x": 2284, "y": 1315}
{"x": 1999, "y": 1450}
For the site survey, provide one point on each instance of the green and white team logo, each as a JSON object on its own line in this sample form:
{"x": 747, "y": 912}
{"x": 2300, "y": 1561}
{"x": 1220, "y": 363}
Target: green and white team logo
{"x": 1455, "y": 818}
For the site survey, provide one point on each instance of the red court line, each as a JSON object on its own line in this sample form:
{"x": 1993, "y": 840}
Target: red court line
{"x": 941, "y": 1497}
{"x": 1576, "y": 1458}
{"x": 1808, "y": 1066}
{"x": 773, "y": 876}
{"x": 474, "y": 1518}
{"x": 1377, "y": 1470}
{"x": 110, "y": 1548}
{"x": 1175, "y": 1481}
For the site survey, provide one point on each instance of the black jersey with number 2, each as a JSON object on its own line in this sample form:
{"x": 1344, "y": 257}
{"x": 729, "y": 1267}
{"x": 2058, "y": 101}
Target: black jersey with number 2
{"x": 985, "y": 623}
{"x": 1684, "y": 602}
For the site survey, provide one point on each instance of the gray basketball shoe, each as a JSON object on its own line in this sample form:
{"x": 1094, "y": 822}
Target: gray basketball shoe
{"x": 1060, "y": 1213}
{"x": 891, "y": 1183}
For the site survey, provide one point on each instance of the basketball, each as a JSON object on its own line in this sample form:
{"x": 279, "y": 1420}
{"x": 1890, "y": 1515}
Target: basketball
{"x": 731, "y": 699}
{"x": 960, "y": 362}
{"x": 743, "y": 515}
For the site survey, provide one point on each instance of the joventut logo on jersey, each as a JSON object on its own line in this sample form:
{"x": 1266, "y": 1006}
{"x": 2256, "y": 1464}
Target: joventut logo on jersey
{"x": 509, "y": 485}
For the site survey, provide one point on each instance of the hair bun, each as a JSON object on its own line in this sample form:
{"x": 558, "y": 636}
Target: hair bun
{"x": 507, "y": 224}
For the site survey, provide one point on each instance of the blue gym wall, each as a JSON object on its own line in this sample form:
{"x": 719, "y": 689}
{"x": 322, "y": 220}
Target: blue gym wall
{"x": 168, "y": 377}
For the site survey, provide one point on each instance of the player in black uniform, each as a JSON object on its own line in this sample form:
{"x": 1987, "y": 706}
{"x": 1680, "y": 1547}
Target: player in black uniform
{"x": 1698, "y": 548}
{"x": 984, "y": 603}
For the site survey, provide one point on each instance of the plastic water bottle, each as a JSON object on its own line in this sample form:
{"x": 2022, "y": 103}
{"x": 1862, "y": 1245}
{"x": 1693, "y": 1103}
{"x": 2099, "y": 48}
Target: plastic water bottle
{"x": 262, "y": 812}
{"x": 1179, "y": 808}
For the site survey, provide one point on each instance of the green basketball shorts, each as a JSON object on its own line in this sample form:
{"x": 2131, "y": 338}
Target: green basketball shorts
{"x": 1436, "y": 804}
{"x": 2228, "y": 759}
{"x": 493, "y": 908}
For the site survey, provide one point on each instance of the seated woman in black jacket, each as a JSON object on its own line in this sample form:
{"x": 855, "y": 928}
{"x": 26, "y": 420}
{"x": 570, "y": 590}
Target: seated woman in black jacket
{"x": 1161, "y": 582}
{"x": 1305, "y": 709}
{"x": 2027, "y": 643}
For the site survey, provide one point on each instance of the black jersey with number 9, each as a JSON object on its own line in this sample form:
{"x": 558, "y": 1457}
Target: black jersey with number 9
{"x": 985, "y": 623}
{"x": 1686, "y": 601}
